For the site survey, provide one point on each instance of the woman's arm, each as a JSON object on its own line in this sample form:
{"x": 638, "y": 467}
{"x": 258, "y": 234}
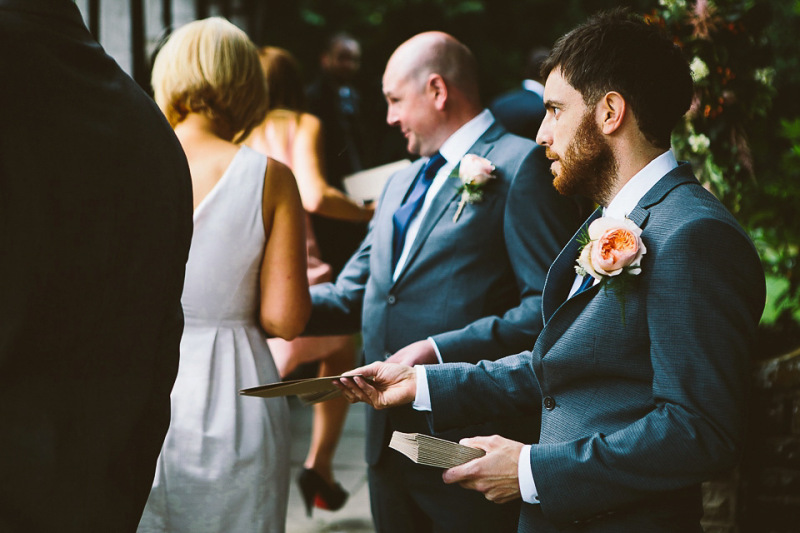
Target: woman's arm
{"x": 285, "y": 301}
{"x": 307, "y": 161}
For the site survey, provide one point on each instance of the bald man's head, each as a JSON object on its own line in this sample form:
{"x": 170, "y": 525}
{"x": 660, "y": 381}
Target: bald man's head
{"x": 437, "y": 53}
{"x": 431, "y": 88}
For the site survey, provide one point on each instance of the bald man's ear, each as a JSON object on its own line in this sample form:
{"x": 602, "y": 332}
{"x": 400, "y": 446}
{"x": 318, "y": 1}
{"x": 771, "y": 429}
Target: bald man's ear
{"x": 437, "y": 89}
{"x": 612, "y": 109}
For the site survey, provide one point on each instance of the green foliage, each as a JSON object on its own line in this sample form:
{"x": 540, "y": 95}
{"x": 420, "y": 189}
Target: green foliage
{"x": 740, "y": 56}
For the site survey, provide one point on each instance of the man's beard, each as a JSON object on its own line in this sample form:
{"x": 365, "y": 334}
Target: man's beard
{"x": 588, "y": 168}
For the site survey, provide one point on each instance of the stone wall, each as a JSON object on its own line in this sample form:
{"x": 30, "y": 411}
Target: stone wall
{"x": 770, "y": 488}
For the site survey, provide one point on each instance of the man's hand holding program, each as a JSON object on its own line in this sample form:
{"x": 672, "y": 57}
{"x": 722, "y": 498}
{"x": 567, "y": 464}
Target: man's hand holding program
{"x": 381, "y": 385}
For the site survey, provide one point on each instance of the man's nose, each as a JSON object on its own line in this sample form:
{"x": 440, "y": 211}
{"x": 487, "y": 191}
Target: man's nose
{"x": 544, "y": 135}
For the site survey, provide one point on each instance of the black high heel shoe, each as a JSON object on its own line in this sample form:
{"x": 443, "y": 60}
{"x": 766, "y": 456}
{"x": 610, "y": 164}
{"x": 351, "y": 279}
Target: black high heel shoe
{"x": 318, "y": 493}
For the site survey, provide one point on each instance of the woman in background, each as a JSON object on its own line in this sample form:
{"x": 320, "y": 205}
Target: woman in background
{"x": 294, "y": 137}
{"x": 224, "y": 465}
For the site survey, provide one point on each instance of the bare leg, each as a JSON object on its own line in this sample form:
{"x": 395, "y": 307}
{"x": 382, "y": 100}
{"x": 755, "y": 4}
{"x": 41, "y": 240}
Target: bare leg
{"x": 329, "y": 416}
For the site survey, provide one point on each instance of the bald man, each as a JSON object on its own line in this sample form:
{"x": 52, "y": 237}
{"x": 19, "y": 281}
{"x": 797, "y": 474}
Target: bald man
{"x": 442, "y": 278}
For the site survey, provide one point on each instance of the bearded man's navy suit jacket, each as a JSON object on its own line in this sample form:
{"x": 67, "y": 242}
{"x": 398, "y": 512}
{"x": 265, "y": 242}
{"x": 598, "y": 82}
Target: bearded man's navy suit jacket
{"x": 640, "y": 388}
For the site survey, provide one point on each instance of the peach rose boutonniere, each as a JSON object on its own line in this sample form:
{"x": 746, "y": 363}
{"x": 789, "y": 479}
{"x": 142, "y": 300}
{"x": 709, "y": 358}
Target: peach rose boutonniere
{"x": 612, "y": 250}
{"x": 613, "y": 247}
{"x": 474, "y": 172}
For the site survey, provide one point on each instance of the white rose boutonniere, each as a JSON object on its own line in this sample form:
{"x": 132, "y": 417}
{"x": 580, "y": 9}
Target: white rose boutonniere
{"x": 474, "y": 172}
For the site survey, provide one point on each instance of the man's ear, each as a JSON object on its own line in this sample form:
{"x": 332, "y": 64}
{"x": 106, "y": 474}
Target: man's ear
{"x": 437, "y": 89}
{"x": 612, "y": 109}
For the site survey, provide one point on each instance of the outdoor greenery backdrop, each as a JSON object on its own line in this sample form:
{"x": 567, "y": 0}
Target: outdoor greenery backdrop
{"x": 743, "y": 133}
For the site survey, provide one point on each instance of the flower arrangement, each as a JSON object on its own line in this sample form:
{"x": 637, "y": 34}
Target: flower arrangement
{"x": 733, "y": 86}
{"x": 741, "y": 55}
{"x": 474, "y": 172}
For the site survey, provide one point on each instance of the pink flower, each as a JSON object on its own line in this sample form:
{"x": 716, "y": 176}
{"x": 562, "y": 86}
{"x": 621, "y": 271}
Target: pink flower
{"x": 475, "y": 170}
{"x": 614, "y": 246}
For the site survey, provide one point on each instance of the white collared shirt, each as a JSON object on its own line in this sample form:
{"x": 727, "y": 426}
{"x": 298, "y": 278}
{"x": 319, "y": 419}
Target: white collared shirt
{"x": 533, "y": 86}
{"x": 453, "y": 149}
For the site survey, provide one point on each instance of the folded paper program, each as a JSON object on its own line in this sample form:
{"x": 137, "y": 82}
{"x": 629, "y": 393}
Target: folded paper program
{"x": 308, "y": 390}
{"x": 426, "y": 450}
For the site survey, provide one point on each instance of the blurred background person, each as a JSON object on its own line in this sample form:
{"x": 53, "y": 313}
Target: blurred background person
{"x": 294, "y": 137}
{"x": 521, "y": 111}
{"x": 95, "y": 224}
{"x": 225, "y": 462}
{"x": 334, "y": 97}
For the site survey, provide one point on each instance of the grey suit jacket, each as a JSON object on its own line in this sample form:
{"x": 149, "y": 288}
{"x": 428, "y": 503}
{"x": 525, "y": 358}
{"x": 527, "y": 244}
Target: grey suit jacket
{"x": 473, "y": 285}
{"x": 640, "y": 402}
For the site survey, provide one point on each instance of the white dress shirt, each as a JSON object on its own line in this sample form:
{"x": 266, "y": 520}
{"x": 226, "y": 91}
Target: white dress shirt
{"x": 619, "y": 207}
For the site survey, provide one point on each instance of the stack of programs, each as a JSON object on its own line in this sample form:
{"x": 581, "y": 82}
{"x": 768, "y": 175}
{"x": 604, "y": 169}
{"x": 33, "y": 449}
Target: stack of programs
{"x": 427, "y": 450}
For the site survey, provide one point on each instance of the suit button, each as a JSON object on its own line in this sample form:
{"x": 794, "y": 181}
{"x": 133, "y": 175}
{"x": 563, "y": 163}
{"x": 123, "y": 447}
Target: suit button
{"x": 391, "y": 299}
{"x": 549, "y": 403}
{"x": 387, "y": 355}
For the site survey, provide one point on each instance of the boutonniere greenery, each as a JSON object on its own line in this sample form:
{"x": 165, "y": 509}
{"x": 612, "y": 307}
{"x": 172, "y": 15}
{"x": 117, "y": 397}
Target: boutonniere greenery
{"x": 474, "y": 172}
{"x": 612, "y": 249}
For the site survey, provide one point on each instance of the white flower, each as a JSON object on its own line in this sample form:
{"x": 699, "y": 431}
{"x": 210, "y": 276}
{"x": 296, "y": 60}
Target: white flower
{"x": 672, "y": 4}
{"x": 699, "y": 143}
{"x": 699, "y": 69}
{"x": 765, "y": 76}
{"x": 474, "y": 172}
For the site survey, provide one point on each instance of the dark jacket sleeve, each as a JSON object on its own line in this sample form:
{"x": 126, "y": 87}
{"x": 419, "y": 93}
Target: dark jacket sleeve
{"x": 538, "y": 221}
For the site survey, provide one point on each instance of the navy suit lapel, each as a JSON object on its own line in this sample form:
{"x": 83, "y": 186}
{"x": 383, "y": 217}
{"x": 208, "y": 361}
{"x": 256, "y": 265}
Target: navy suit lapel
{"x": 562, "y": 272}
{"x": 446, "y": 195}
{"x": 680, "y": 175}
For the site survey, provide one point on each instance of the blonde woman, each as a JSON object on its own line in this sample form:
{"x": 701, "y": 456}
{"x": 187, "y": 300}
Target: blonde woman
{"x": 224, "y": 465}
{"x": 294, "y": 137}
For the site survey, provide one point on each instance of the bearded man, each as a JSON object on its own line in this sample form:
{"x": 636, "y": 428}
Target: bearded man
{"x": 641, "y": 369}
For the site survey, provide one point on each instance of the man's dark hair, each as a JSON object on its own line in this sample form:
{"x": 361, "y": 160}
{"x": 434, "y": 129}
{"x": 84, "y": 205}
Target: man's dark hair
{"x": 619, "y": 51}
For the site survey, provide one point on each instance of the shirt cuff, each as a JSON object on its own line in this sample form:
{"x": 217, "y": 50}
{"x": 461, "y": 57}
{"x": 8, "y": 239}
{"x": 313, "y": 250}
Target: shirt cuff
{"x": 422, "y": 401}
{"x": 435, "y": 349}
{"x": 527, "y": 487}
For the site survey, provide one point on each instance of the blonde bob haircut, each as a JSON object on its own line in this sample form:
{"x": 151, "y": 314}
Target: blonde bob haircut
{"x": 211, "y": 67}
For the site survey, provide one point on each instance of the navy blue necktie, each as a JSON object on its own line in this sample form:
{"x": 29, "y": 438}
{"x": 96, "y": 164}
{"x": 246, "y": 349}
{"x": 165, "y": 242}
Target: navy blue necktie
{"x": 412, "y": 204}
{"x": 587, "y": 282}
